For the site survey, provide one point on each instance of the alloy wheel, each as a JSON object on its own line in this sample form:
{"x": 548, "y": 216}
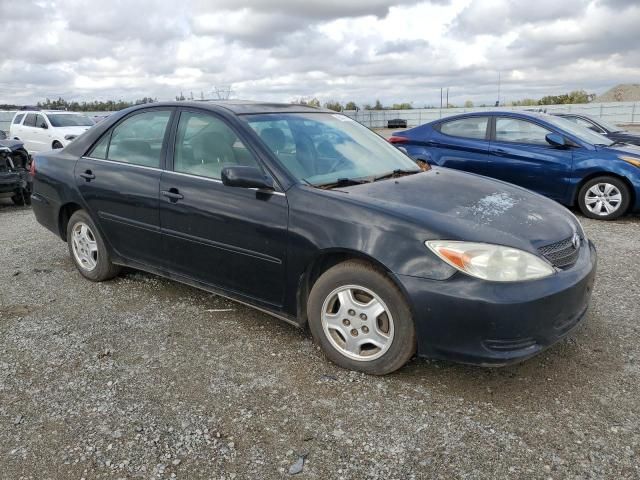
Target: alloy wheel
{"x": 357, "y": 322}
{"x": 603, "y": 199}
{"x": 84, "y": 246}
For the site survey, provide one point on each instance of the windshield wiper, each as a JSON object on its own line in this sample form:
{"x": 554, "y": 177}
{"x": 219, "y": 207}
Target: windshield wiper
{"x": 396, "y": 173}
{"x": 619, "y": 142}
{"x": 342, "y": 182}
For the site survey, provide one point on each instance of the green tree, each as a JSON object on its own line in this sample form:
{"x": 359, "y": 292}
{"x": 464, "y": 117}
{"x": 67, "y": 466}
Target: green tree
{"x": 468, "y": 104}
{"x": 351, "y": 106}
{"x": 378, "y": 105}
{"x": 402, "y": 106}
{"x": 333, "y": 105}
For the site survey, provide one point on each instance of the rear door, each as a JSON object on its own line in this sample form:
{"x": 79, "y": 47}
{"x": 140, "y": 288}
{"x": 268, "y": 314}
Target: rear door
{"x": 119, "y": 180}
{"x": 462, "y": 143}
{"x": 520, "y": 154}
{"x": 228, "y": 237}
{"x": 27, "y": 132}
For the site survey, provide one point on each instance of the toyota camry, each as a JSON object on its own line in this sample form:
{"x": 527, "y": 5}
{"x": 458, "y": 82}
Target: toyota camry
{"x": 309, "y": 216}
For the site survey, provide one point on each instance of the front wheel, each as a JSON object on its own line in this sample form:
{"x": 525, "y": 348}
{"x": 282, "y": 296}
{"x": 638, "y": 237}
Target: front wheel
{"x": 360, "y": 319}
{"x": 604, "y": 198}
{"x": 56, "y": 145}
{"x": 88, "y": 250}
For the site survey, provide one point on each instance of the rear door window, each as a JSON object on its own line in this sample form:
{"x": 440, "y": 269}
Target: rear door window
{"x": 471, "y": 127}
{"x": 137, "y": 140}
{"x": 30, "y": 120}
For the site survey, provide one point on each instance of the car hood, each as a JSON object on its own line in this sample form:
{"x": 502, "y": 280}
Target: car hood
{"x": 627, "y": 149}
{"x": 455, "y": 205}
{"x": 12, "y": 144}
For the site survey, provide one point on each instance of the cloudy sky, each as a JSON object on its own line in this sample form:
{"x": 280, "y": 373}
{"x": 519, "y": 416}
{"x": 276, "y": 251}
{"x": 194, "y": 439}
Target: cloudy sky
{"x": 362, "y": 50}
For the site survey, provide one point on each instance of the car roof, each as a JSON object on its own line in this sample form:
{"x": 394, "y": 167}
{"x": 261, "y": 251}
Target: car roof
{"x": 502, "y": 113}
{"x": 242, "y": 107}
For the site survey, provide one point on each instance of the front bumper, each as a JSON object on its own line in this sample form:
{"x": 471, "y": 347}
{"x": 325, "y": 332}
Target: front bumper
{"x": 487, "y": 323}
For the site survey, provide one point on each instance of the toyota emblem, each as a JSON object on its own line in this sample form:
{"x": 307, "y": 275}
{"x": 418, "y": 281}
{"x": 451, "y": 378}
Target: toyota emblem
{"x": 576, "y": 241}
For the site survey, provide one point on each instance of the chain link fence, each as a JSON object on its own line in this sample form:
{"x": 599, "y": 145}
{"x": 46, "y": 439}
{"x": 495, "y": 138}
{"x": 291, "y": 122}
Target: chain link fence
{"x": 620, "y": 113}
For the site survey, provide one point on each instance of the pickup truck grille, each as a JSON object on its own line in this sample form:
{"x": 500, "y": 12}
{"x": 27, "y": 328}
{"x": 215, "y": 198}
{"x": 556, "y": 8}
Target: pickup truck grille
{"x": 562, "y": 254}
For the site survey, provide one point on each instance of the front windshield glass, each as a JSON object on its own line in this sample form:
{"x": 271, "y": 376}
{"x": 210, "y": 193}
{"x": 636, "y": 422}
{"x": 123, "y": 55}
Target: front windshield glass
{"x": 69, "y": 120}
{"x": 606, "y": 125}
{"x": 583, "y": 133}
{"x": 324, "y": 148}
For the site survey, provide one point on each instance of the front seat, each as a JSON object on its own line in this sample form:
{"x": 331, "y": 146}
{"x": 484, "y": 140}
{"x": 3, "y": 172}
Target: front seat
{"x": 211, "y": 153}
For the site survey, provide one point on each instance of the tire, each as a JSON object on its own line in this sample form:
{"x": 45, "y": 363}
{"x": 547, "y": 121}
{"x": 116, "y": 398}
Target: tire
{"x": 393, "y": 328}
{"x": 56, "y": 145}
{"x": 612, "y": 194}
{"x": 22, "y": 199}
{"x": 88, "y": 250}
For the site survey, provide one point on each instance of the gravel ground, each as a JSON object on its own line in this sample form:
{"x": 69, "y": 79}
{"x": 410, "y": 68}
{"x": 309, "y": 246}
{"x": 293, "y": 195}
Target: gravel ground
{"x": 141, "y": 377}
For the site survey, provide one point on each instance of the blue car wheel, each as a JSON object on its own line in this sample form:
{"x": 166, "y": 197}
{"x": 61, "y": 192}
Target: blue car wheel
{"x": 604, "y": 198}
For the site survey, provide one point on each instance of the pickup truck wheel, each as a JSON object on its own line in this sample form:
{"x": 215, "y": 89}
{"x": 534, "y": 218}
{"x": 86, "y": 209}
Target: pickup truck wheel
{"x": 360, "y": 319}
{"x": 56, "y": 145}
{"x": 88, "y": 250}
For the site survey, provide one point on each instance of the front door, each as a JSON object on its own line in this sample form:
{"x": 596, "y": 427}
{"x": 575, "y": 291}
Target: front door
{"x": 119, "y": 180}
{"x": 227, "y": 237}
{"x": 520, "y": 154}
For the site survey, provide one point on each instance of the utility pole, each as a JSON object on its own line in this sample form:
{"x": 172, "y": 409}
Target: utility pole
{"x": 498, "y": 102}
{"x": 447, "y": 97}
{"x": 440, "y": 98}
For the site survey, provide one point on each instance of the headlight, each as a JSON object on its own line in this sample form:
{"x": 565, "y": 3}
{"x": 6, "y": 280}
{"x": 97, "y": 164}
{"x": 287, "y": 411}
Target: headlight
{"x": 635, "y": 161}
{"x": 495, "y": 263}
{"x": 70, "y": 137}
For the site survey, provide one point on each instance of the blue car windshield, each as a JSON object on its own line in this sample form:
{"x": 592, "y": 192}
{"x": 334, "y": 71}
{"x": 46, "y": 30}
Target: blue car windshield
{"x": 324, "y": 148}
{"x": 583, "y": 133}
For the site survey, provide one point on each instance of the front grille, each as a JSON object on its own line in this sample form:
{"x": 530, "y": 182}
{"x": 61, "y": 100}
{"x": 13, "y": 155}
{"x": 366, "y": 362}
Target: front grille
{"x": 561, "y": 254}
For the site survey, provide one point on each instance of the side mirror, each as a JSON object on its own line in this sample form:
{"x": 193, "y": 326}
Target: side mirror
{"x": 43, "y": 125}
{"x": 556, "y": 140}
{"x": 246, "y": 177}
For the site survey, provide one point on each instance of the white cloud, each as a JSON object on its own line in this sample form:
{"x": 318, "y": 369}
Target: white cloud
{"x": 333, "y": 49}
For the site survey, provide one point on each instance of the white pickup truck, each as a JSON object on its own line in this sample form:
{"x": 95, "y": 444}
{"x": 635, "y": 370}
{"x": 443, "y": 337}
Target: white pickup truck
{"x": 43, "y": 130}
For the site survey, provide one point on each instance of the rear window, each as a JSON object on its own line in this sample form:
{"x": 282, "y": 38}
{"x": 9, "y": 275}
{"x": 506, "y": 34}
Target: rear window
{"x": 18, "y": 118}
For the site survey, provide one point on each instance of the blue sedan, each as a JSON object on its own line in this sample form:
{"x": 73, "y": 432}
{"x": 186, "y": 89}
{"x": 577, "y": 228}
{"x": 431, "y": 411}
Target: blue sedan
{"x": 547, "y": 154}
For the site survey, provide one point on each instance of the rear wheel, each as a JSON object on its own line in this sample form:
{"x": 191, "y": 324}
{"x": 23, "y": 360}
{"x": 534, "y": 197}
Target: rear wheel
{"x": 360, "y": 319}
{"x": 604, "y": 198}
{"x": 56, "y": 145}
{"x": 88, "y": 250}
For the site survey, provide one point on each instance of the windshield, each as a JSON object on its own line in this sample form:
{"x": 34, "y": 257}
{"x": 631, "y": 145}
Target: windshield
{"x": 606, "y": 125}
{"x": 583, "y": 133}
{"x": 324, "y": 148}
{"x": 69, "y": 120}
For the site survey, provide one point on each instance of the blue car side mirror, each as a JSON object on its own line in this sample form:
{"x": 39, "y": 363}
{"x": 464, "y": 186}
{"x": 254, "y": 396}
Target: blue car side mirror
{"x": 556, "y": 140}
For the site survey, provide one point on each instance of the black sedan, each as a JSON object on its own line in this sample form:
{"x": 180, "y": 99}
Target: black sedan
{"x": 609, "y": 130}
{"x": 309, "y": 216}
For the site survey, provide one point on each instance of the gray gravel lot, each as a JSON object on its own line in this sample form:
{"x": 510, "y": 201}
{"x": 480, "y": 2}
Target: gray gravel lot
{"x": 142, "y": 377}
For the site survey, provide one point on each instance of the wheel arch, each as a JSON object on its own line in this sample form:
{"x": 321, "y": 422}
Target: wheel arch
{"x": 64, "y": 215}
{"x": 591, "y": 176}
{"x": 323, "y": 262}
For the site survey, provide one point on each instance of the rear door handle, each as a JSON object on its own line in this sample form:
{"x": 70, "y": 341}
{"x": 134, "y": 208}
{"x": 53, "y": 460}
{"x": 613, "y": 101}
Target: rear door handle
{"x": 172, "y": 194}
{"x": 499, "y": 152}
{"x": 88, "y": 175}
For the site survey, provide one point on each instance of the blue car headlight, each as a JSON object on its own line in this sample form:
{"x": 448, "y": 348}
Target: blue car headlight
{"x": 495, "y": 263}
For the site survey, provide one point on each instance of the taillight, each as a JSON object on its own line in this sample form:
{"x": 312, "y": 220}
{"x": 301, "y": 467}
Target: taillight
{"x": 395, "y": 139}
{"x": 32, "y": 167}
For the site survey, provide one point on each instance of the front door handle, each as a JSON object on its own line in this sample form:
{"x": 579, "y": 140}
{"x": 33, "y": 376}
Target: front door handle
{"x": 172, "y": 194}
{"x": 499, "y": 152}
{"x": 88, "y": 175}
